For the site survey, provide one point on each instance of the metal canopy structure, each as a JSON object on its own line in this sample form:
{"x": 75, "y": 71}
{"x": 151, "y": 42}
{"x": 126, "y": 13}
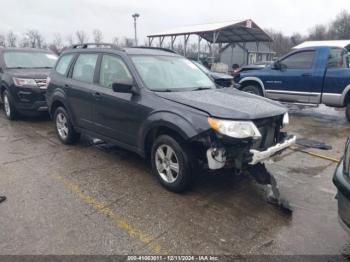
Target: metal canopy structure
{"x": 215, "y": 33}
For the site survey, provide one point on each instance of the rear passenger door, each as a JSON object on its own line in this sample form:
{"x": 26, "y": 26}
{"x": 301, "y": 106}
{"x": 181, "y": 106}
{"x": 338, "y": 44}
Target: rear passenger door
{"x": 116, "y": 115}
{"x": 80, "y": 90}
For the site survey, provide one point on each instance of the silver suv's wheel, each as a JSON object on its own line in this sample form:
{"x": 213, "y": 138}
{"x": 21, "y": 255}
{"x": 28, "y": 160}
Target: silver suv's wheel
{"x": 171, "y": 163}
{"x": 167, "y": 163}
{"x": 64, "y": 128}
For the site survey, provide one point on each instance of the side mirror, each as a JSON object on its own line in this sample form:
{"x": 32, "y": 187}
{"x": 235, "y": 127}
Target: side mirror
{"x": 277, "y": 65}
{"x": 125, "y": 86}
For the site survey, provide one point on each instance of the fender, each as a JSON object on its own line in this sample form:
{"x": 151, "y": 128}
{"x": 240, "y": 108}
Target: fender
{"x": 185, "y": 128}
{"x": 255, "y": 79}
{"x": 60, "y": 96}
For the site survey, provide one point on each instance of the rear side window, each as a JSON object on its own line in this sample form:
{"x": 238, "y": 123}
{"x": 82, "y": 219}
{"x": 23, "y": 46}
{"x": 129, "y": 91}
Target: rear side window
{"x": 302, "y": 60}
{"x": 113, "y": 69}
{"x": 63, "y": 64}
{"x": 84, "y": 68}
{"x": 338, "y": 58}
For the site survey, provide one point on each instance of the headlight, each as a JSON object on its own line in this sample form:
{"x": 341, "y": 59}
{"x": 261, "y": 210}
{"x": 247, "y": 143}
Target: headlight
{"x": 346, "y": 162}
{"x": 24, "y": 82}
{"x": 236, "y": 129}
{"x": 286, "y": 119}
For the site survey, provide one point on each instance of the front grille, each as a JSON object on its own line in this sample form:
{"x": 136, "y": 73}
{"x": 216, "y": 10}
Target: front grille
{"x": 224, "y": 82}
{"x": 269, "y": 129}
{"x": 41, "y": 83}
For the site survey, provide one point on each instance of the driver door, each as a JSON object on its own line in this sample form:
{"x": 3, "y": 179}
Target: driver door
{"x": 116, "y": 115}
{"x": 295, "y": 80}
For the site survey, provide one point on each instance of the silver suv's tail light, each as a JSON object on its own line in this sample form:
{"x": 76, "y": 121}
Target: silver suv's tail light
{"x": 347, "y": 158}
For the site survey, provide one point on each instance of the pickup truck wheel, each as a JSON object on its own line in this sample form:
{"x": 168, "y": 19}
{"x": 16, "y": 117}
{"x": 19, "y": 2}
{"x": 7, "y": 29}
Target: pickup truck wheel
{"x": 10, "y": 110}
{"x": 171, "y": 164}
{"x": 64, "y": 128}
{"x": 348, "y": 112}
{"x": 252, "y": 89}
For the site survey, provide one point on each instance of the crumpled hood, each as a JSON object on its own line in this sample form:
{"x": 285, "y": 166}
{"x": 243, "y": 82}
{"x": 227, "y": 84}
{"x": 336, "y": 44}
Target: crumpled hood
{"x": 220, "y": 76}
{"x": 39, "y": 73}
{"x": 227, "y": 103}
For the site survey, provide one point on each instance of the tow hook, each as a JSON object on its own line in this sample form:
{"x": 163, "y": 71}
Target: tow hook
{"x": 273, "y": 196}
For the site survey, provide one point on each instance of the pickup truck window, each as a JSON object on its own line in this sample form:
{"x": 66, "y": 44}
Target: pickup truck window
{"x": 338, "y": 58}
{"x": 301, "y": 60}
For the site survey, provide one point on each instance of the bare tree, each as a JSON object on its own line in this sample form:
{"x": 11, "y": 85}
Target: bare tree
{"x": 318, "y": 32}
{"x": 35, "y": 39}
{"x": 11, "y": 39}
{"x": 340, "y": 27}
{"x": 81, "y": 36}
{"x": 24, "y": 41}
{"x": 115, "y": 41}
{"x": 2, "y": 40}
{"x": 128, "y": 42}
{"x": 57, "y": 45}
{"x": 98, "y": 37}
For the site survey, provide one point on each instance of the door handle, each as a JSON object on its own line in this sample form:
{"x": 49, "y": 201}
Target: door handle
{"x": 97, "y": 95}
{"x": 66, "y": 86}
{"x": 306, "y": 74}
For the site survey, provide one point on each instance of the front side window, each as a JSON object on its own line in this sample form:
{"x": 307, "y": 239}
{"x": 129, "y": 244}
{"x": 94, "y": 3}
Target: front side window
{"x": 63, "y": 64}
{"x": 301, "y": 60}
{"x": 169, "y": 73}
{"x": 84, "y": 68}
{"x": 113, "y": 69}
{"x": 338, "y": 58}
{"x": 29, "y": 59}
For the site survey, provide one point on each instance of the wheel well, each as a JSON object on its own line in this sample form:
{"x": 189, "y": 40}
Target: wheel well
{"x": 156, "y": 132}
{"x": 251, "y": 83}
{"x": 347, "y": 99}
{"x": 2, "y": 89}
{"x": 55, "y": 105}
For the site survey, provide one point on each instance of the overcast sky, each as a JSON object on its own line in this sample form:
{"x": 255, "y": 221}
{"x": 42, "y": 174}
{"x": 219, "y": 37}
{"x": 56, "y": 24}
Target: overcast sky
{"x": 113, "y": 17}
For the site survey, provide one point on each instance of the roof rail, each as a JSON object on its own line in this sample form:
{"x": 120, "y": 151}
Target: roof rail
{"x": 87, "y": 45}
{"x": 156, "y": 48}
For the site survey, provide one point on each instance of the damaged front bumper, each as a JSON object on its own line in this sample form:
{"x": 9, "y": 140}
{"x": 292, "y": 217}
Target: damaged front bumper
{"x": 219, "y": 157}
{"x": 261, "y": 156}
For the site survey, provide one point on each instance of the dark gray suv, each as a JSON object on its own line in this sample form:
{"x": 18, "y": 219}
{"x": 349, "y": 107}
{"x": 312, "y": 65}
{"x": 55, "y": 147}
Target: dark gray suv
{"x": 163, "y": 107}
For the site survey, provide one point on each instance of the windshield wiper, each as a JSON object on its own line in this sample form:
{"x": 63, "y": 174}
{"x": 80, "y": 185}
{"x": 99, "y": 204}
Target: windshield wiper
{"x": 162, "y": 90}
{"x": 201, "y": 88}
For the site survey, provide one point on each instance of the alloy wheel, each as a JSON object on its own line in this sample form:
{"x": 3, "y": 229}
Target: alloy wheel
{"x": 167, "y": 163}
{"x": 62, "y": 125}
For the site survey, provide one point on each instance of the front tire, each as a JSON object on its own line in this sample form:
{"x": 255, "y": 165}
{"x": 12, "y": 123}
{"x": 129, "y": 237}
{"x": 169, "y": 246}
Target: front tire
{"x": 9, "y": 108}
{"x": 347, "y": 112}
{"x": 64, "y": 128}
{"x": 252, "y": 89}
{"x": 171, "y": 164}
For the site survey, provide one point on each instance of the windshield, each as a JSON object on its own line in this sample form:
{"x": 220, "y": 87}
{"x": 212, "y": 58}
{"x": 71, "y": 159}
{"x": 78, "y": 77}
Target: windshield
{"x": 167, "y": 73}
{"x": 21, "y": 59}
{"x": 202, "y": 67}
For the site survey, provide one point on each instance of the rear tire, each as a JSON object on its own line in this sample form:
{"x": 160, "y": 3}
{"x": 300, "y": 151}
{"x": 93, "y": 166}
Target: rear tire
{"x": 171, "y": 164}
{"x": 64, "y": 128}
{"x": 252, "y": 89}
{"x": 347, "y": 112}
{"x": 9, "y": 108}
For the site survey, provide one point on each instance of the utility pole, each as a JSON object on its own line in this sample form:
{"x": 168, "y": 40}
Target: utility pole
{"x": 135, "y": 16}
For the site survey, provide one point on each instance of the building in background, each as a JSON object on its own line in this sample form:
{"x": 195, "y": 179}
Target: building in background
{"x": 246, "y": 53}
